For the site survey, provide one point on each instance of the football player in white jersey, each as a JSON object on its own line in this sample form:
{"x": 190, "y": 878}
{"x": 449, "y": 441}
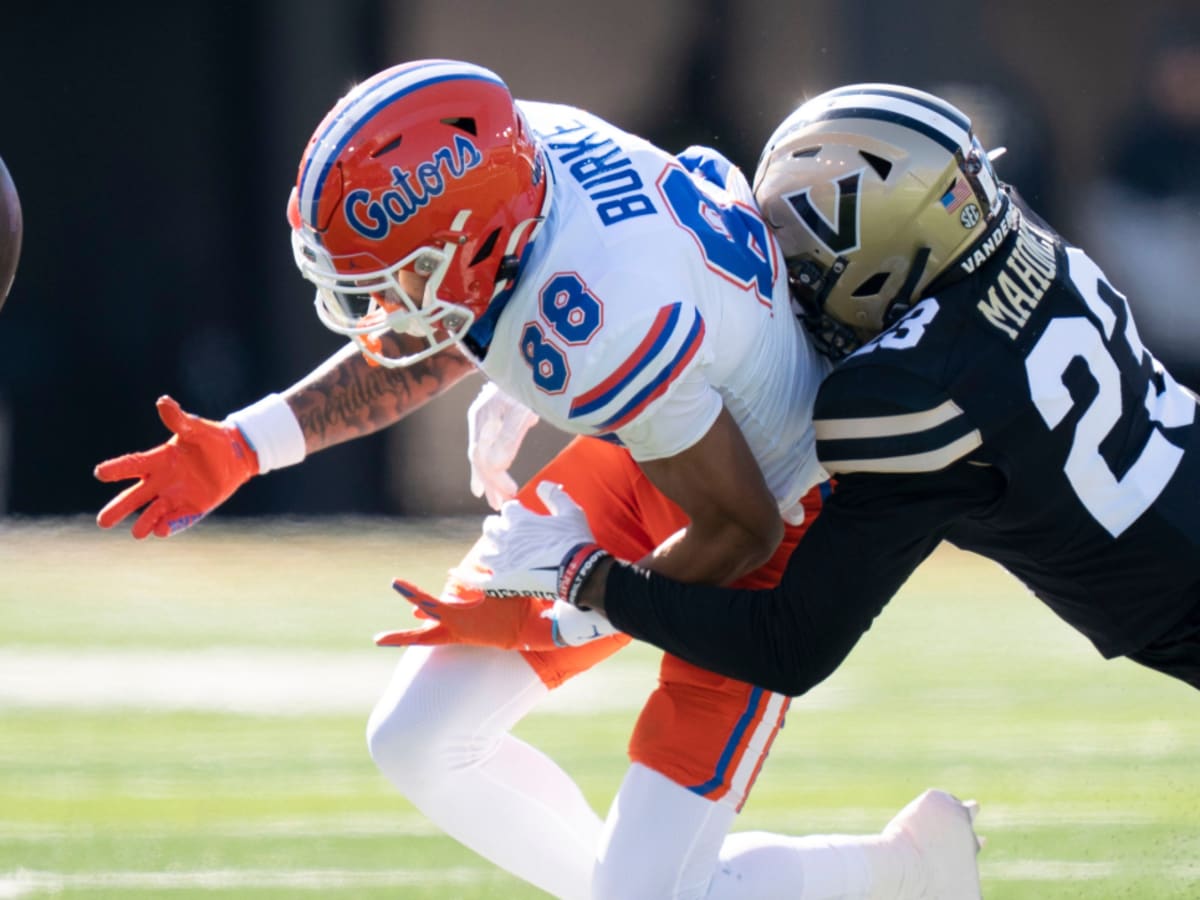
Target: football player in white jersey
{"x": 628, "y": 298}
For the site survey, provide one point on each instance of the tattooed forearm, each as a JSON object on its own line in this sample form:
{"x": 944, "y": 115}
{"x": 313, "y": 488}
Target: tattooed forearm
{"x": 348, "y": 398}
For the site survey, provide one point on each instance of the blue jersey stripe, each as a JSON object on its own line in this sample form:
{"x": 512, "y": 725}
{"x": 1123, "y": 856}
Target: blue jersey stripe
{"x": 669, "y": 371}
{"x": 731, "y": 745}
{"x": 648, "y": 356}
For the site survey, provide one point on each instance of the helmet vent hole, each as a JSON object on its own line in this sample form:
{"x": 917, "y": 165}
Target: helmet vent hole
{"x": 486, "y": 248}
{"x": 806, "y": 152}
{"x": 882, "y": 167}
{"x": 463, "y": 123}
{"x": 871, "y": 286}
{"x": 388, "y": 147}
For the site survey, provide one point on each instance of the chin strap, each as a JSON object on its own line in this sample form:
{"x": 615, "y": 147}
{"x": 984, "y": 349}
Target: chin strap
{"x": 904, "y": 297}
{"x": 479, "y": 338}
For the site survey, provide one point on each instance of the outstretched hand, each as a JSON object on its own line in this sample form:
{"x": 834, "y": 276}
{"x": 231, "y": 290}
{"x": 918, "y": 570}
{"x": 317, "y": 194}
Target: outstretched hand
{"x": 179, "y": 481}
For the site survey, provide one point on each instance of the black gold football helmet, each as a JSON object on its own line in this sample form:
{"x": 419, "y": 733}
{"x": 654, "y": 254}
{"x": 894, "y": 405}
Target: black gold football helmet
{"x": 872, "y": 190}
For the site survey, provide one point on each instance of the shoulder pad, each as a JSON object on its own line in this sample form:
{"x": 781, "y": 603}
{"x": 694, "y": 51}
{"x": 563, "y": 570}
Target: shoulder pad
{"x": 885, "y": 419}
{"x": 709, "y": 165}
{"x": 706, "y": 162}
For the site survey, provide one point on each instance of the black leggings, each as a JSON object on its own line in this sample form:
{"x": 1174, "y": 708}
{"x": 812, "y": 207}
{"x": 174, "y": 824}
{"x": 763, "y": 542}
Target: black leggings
{"x": 1176, "y": 653}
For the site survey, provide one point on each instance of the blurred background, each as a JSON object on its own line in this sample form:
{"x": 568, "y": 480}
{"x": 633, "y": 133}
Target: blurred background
{"x": 154, "y": 146}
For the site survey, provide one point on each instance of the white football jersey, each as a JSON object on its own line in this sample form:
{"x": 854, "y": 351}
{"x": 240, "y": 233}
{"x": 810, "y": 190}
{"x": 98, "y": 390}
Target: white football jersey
{"x": 652, "y": 296}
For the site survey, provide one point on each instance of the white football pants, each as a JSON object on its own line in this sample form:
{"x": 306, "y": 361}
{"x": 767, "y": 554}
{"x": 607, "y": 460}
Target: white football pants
{"x": 440, "y": 733}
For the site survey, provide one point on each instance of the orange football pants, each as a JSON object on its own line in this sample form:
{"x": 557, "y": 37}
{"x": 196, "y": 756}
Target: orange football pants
{"x": 705, "y": 732}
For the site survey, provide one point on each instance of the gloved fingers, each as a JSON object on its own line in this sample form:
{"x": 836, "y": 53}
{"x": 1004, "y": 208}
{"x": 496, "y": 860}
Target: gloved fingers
{"x": 514, "y": 427}
{"x": 500, "y": 488}
{"x": 512, "y": 511}
{"x": 557, "y": 500}
{"x": 480, "y": 415}
{"x": 491, "y": 457}
{"x": 463, "y": 588}
{"x": 477, "y": 486}
{"x": 479, "y": 445}
{"x": 172, "y": 415}
{"x": 427, "y": 635}
{"x": 153, "y": 519}
{"x": 495, "y": 526}
{"x": 132, "y": 498}
{"x": 459, "y": 595}
{"x": 482, "y": 399}
{"x": 130, "y": 465}
{"x": 417, "y": 597}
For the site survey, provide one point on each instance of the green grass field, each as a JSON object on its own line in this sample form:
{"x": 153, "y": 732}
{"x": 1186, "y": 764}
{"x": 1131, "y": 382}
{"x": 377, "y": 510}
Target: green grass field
{"x": 185, "y": 718}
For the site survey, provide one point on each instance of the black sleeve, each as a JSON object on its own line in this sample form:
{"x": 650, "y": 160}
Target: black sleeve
{"x": 869, "y": 537}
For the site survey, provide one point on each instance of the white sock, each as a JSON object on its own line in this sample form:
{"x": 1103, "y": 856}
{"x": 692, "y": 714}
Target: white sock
{"x": 663, "y": 841}
{"x": 764, "y": 866}
{"x": 440, "y": 735}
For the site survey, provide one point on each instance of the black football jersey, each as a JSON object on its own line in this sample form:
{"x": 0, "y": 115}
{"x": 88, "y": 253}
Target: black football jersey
{"x": 1031, "y": 366}
{"x": 1015, "y": 413}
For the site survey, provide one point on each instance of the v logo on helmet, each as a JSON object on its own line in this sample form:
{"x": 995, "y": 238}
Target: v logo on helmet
{"x": 840, "y": 235}
{"x": 410, "y": 191}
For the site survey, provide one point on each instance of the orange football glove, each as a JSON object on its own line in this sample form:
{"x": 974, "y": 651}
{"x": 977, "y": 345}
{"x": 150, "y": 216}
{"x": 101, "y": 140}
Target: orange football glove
{"x": 182, "y": 480}
{"x": 467, "y": 615}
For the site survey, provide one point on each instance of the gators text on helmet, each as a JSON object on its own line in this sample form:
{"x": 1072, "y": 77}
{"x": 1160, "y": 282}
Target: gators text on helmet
{"x": 430, "y": 168}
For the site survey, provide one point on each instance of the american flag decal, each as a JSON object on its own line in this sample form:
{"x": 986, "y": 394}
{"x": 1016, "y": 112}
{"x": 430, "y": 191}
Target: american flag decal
{"x": 953, "y": 198}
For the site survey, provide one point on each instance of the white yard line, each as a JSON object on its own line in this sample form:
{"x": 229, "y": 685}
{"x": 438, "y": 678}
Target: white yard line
{"x": 25, "y": 883}
{"x": 257, "y": 682}
{"x": 270, "y": 682}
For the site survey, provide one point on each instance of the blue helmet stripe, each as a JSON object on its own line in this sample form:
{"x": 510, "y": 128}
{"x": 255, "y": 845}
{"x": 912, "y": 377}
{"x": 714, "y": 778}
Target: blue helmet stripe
{"x": 350, "y": 121}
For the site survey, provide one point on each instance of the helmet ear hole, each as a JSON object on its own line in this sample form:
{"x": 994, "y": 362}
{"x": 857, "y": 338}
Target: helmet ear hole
{"x": 388, "y": 147}
{"x": 871, "y": 286}
{"x": 486, "y": 248}
{"x": 463, "y": 123}
{"x": 882, "y": 167}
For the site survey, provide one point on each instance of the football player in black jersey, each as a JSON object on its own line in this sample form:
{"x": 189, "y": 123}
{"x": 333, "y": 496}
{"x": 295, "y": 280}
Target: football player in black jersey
{"x": 991, "y": 390}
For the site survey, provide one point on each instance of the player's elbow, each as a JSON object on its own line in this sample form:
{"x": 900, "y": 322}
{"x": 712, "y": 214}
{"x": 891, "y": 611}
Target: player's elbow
{"x": 745, "y": 547}
{"x": 798, "y": 681}
{"x": 764, "y": 541}
{"x": 782, "y": 672}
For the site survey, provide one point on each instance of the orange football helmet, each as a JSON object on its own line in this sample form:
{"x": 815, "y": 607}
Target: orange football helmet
{"x": 428, "y": 167}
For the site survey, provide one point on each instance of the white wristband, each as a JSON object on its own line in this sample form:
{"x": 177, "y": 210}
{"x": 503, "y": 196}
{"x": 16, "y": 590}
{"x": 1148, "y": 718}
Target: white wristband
{"x": 270, "y": 428}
